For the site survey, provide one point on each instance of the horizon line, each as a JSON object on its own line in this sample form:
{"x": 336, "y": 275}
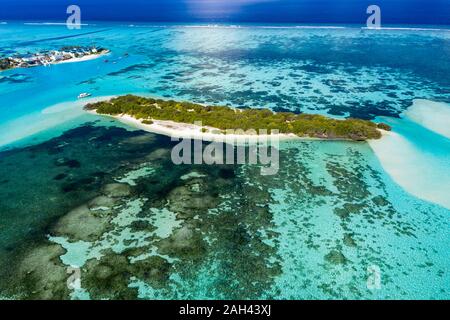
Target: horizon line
{"x": 265, "y": 23}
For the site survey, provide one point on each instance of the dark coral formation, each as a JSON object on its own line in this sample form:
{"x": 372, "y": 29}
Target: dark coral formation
{"x": 209, "y": 228}
{"x": 221, "y": 231}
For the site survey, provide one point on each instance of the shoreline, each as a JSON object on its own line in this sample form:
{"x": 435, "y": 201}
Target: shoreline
{"x": 404, "y": 162}
{"x": 72, "y": 60}
{"x": 85, "y": 58}
{"x": 217, "y": 123}
{"x": 408, "y": 159}
{"x": 422, "y": 111}
{"x": 39, "y": 121}
{"x": 178, "y": 130}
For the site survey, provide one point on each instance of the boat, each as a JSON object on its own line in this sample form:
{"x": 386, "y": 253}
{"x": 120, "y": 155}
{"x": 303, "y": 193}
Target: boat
{"x": 84, "y": 95}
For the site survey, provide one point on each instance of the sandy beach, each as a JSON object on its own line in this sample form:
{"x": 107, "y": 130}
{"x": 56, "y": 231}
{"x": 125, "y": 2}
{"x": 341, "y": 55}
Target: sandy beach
{"x": 47, "y": 118}
{"x": 191, "y": 131}
{"x": 72, "y": 60}
{"x": 393, "y": 151}
{"x": 424, "y": 113}
{"x": 84, "y": 58}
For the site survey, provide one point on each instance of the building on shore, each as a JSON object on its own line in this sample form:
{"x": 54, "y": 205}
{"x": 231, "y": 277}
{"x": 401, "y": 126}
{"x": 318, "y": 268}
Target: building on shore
{"x": 48, "y": 57}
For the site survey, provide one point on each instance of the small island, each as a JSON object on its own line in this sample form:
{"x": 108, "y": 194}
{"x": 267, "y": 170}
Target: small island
{"x": 65, "y": 54}
{"x": 151, "y": 112}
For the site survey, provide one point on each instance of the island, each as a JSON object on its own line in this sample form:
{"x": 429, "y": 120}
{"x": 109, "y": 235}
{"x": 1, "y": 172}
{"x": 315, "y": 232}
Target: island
{"x": 152, "y": 114}
{"x": 44, "y": 58}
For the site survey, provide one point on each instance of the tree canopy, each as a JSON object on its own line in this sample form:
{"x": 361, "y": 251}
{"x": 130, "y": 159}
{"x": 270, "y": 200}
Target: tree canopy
{"x": 223, "y": 117}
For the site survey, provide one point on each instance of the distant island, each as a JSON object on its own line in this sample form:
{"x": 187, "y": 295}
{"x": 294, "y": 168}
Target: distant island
{"x": 157, "y": 114}
{"x": 44, "y": 58}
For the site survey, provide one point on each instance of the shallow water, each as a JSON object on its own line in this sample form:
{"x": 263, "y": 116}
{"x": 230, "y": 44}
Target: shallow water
{"x": 341, "y": 72}
{"x": 309, "y": 232}
{"x": 87, "y": 192}
{"x": 417, "y": 158}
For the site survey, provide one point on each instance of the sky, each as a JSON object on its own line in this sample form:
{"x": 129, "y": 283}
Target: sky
{"x": 263, "y": 11}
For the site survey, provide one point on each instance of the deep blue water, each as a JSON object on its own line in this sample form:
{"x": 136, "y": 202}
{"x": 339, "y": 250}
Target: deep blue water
{"x": 334, "y": 210}
{"x": 262, "y": 11}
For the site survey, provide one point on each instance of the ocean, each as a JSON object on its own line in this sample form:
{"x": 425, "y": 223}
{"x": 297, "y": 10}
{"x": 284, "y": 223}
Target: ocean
{"x": 341, "y": 220}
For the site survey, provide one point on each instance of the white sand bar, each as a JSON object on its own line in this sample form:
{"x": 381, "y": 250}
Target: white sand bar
{"x": 417, "y": 156}
{"x": 192, "y": 131}
{"x": 434, "y": 116}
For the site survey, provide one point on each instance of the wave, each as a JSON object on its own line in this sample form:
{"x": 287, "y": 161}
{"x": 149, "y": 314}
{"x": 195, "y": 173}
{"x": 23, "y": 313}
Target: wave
{"x": 256, "y": 26}
{"x": 263, "y": 27}
{"x": 302, "y": 27}
{"x": 404, "y": 29}
{"x": 27, "y": 43}
{"x": 219, "y": 26}
{"x": 53, "y": 24}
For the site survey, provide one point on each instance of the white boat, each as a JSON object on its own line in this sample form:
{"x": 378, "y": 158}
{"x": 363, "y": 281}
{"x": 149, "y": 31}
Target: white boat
{"x": 84, "y": 95}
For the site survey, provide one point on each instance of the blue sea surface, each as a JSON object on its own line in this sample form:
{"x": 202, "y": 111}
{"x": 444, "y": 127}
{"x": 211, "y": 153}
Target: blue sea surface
{"x": 315, "y": 230}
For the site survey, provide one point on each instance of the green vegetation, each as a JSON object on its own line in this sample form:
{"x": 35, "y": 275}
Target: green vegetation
{"x": 222, "y": 117}
{"x": 5, "y": 64}
{"x": 384, "y": 126}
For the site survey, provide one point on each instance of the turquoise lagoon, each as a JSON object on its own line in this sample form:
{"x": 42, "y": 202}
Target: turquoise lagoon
{"x": 88, "y": 192}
